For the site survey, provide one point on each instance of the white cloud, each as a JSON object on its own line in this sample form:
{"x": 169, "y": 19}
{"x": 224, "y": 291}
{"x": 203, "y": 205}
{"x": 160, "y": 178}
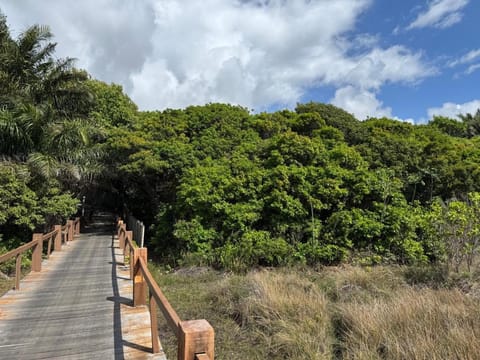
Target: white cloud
{"x": 440, "y": 14}
{"x": 472, "y": 68}
{"x": 109, "y": 38}
{"x": 452, "y": 110}
{"x": 174, "y": 53}
{"x": 262, "y": 55}
{"x": 362, "y": 103}
{"x": 379, "y": 66}
{"x": 465, "y": 59}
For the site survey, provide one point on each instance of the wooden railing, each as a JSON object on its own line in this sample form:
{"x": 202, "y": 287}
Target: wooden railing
{"x": 195, "y": 337}
{"x": 59, "y": 235}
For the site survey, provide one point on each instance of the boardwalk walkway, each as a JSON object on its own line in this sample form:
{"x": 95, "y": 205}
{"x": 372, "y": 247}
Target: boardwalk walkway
{"x": 78, "y": 307}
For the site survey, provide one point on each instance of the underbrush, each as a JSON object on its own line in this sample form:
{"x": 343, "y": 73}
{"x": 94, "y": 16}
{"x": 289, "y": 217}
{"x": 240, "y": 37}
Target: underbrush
{"x": 5, "y": 285}
{"x": 384, "y": 312}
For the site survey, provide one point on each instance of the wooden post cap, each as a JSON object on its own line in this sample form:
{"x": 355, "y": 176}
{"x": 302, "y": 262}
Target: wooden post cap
{"x": 196, "y": 337}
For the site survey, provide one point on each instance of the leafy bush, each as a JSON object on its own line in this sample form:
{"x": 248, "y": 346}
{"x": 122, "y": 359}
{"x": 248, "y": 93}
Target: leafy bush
{"x": 326, "y": 254}
{"x": 198, "y": 240}
{"x": 254, "y": 248}
{"x": 57, "y": 207}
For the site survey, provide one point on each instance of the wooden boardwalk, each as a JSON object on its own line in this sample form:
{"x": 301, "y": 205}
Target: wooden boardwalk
{"x": 78, "y": 307}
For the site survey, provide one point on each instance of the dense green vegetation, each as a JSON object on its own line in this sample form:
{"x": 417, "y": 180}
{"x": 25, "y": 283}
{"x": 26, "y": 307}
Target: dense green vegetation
{"x": 221, "y": 186}
{"x": 224, "y": 187}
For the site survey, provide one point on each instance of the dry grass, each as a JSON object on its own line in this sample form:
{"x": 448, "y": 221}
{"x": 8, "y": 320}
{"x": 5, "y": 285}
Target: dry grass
{"x": 351, "y": 283}
{"x": 289, "y": 314}
{"x": 415, "y": 324}
{"x": 334, "y": 313}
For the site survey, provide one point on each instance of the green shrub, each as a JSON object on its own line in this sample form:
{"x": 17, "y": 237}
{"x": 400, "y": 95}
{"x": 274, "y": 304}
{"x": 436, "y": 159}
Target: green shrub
{"x": 254, "y": 248}
{"x": 198, "y": 240}
{"x": 325, "y": 254}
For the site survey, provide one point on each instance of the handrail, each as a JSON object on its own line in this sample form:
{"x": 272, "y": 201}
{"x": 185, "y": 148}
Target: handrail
{"x": 72, "y": 227}
{"x": 169, "y": 313}
{"x": 195, "y": 337}
{"x": 126, "y": 243}
{"x": 19, "y": 250}
{"x": 49, "y": 235}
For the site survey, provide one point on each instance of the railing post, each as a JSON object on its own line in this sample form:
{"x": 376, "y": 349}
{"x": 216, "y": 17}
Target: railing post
{"x": 128, "y": 251}
{"x": 70, "y": 229}
{"x": 139, "y": 284}
{"x": 18, "y": 271}
{"x": 37, "y": 252}
{"x": 121, "y": 236}
{"x": 153, "y": 322}
{"x": 195, "y": 337}
{"x": 119, "y": 225}
{"x": 57, "y": 244}
{"x": 77, "y": 226}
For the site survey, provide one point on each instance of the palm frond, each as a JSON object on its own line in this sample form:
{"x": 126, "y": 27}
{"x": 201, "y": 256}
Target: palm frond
{"x": 43, "y": 165}
{"x": 14, "y": 135}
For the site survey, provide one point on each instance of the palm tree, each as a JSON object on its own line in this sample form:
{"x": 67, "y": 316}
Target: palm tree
{"x": 46, "y": 103}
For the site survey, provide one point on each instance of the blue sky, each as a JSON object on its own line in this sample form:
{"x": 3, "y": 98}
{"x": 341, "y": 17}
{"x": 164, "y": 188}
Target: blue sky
{"x": 443, "y": 48}
{"x": 404, "y": 59}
